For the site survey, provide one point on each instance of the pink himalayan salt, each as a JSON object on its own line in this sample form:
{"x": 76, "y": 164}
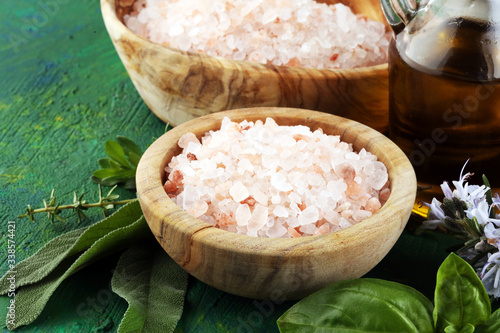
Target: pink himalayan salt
{"x": 292, "y": 33}
{"x": 262, "y": 179}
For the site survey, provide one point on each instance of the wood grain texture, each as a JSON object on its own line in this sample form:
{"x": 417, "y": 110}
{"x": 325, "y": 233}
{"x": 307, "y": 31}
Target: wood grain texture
{"x": 260, "y": 267}
{"x": 179, "y": 86}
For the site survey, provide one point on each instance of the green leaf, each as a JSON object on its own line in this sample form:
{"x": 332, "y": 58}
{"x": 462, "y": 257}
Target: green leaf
{"x": 129, "y": 146}
{"x": 492, "y": 326}
{"x": 41, "y": 274}
{"x": 134, "y": 158}
{"x": 107, "y": 173}
{"x": 460, "y": 297}
{"x": 154, "y": 286}
{"x": 467, "y": 328}
{"x": 115, "y": 151}
{"x": 46, "y": 259}
{"x": 360, "y": 305}
{"x": 104, "y": 163}
{"x": 489, "y": 195}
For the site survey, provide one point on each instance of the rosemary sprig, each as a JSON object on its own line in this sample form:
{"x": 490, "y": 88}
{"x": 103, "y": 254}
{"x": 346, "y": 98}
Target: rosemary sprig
{"x": 53, "y": 208}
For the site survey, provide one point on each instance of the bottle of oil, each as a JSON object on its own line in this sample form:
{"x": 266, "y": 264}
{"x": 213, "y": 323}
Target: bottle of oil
{"x": 444, "y": 79}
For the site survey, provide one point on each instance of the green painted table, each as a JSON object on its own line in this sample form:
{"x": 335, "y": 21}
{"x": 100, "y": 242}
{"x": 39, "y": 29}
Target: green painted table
{"x": 63, "y": 93}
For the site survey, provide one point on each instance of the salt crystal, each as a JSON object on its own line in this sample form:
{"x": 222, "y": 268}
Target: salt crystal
{"x": 360, "y": 215}
{"x": 309, "y": 215}
{"x": 343, "y": 223}
{"x": 308, "y": 229}
{"x": 244, "y": 165}
{"x": 278, "y": 181}
{"x": 239, "y": 192}
{"x": 260, "y": 197}
{"x": 186, "y": 139}
{"x": 276, "y": 231}
{"x": 280, "y": 211}
{"x": 373, "y": 205}
{"x": 275, "y": 199}
{"x": 258, "y": 218}
{"x": 243, "y": 214}
{"x": 198, "y": 208}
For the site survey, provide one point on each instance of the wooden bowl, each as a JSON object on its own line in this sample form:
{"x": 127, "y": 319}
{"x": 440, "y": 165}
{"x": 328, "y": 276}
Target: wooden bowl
{"x": 267, "y": 268}
{"x": 179, "y": 86}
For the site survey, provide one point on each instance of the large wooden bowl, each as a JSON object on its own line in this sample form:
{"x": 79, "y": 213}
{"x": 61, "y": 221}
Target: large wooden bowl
{"x": 267, "y": 268}
{"x": 179, "y": 86}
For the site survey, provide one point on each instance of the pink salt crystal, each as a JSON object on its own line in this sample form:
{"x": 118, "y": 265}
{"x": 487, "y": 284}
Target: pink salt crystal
{"x": 373, "y": 205}
{"x": 277, "y": 230}
{"x": 258, "y": 218}
{"x": 293, "y": 233}
{"x": 238, "y": 191}
{"x": 354, "y": 190}
{"x": 280, "y": 211}
{"x": 360, "y": 215}
{"x": 186, "y": 139}
{"x": 324, "y": 229}
{"x": 309, "y": 215}
{"x": 243, "y": 215}
{"x": 198, "y": 208}
{"x": 170, "y": 187}
{"x": 225, "y": 219}
{"x": 346, "y": 172}
{"x": 308, "y": 229}
{"x": 384, "y": 195}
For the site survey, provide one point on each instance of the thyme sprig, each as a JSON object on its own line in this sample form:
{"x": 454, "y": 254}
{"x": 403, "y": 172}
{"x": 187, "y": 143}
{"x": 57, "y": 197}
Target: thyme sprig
{"x": 53, "y": 208}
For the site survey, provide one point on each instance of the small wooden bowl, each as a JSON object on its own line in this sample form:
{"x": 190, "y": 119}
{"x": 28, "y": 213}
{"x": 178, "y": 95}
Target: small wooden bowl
{"x": 266, "y": 268}
{"x": 179, "y": 86}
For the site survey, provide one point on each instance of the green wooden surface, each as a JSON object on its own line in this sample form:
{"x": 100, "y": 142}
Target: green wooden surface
{"x": 63, "y": 93}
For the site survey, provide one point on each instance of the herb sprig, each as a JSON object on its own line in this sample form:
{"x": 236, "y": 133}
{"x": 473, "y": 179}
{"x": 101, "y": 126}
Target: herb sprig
{"x": 117, "y": 169}
{"x": 469, "y": 213}
{"x": 121, "y": 165}
{"x": 53, "y": 208}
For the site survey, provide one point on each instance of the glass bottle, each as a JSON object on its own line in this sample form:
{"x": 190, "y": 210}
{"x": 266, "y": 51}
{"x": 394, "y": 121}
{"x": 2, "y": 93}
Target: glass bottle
{"x": 444, "y": 79}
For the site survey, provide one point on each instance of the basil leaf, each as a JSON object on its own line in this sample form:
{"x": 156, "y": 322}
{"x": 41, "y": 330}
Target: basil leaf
{"x": 360, "y": 305}
{"x": 460, "y": 297}
{"x": 492, "y": 326}
{"x": 129, "y": 146}
{"x": 153, "y": 285}
{"x": 467, "y": 328}
{"x": 115, "y": 151}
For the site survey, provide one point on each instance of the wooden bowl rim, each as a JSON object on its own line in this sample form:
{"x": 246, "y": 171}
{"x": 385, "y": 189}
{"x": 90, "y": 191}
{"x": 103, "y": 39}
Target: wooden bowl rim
{"x": 108, "y": 8}
{"x": 402, "y": 177}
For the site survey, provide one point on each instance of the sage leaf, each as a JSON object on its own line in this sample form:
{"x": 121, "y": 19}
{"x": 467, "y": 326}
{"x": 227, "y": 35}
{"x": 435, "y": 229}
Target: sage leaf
{"x": 492, "y": 326}
{"x": 360, "y": 305}
{"x": 153, "y": 285}
{"x": 115, "y": 151}
{"x": 460, "y": 298}
{"x": 46, "y": 259}
{"x": 118, "y": 231}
